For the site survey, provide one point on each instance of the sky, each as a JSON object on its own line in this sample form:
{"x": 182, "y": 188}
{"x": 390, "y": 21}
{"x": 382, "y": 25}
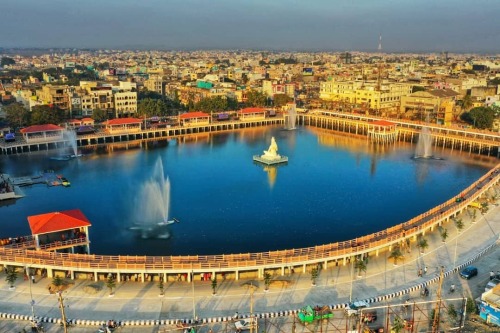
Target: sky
{"x": 308, "y": 25}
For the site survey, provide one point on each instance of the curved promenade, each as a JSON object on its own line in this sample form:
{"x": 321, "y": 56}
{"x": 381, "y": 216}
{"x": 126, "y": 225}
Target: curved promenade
{"x": 236, "y": 266}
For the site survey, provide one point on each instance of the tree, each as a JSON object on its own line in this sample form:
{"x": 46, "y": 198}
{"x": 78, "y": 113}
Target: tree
{"x": 213, "y": 104}
{"x": 45, "y": 114}
{"x": 398, "y": 325}
{"x": 267, "y": 280}
{"x": 17, "y": 115}
{"x": 414, "y": 89}
{"x": 7, "y": 61}
{"x": 460, "y": 224}
{"x": 57, "y": 281}
{"x": 256, "y": 99}
{"x": 422, "y": 244}
{"x": 99, "y": 115}
{"x": 480, "y": 117}
{"x": 360, "y": 265}
{"x": 281, "y": 99}
{"x": 466, "y": 102}
{"x": 146, "y": 94}
{"x": 11, "y": 275}
{"x": 111, "y": 283}
{"x": 314, "y": 275}
{"x": 444, "y": 234}
{"x": 214, "y": 285}
{"x": 396, "y": 254}
{"x": 151, "y": 107}
{"x": 161, "y": 287}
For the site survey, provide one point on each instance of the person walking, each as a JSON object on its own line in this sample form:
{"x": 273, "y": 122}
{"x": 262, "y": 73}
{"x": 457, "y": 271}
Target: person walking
{"x": 492, "y": 275}
{"x": 425, "y": 270}
{"x": 420, "y": 272}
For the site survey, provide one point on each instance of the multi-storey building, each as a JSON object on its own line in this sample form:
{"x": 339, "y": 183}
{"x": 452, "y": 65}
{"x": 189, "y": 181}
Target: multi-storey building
{"x": 373, "y": 95}
{"x": 435, "y": 105}
{"x": 155, "y": 83}
{"x": 125, "y": 103}
{"x": 54, "y": 95}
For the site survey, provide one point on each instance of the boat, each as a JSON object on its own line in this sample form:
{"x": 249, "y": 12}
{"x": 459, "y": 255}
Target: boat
{"x": 65, "y": 182}
{"x": 154, "y": 230}
{"x": 7, "y": 189}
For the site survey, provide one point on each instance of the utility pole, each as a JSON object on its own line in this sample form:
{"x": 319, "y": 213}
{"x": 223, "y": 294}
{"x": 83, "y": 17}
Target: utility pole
{"x": 251, "y": 308}
{"x": 63, "y": 313}
{"x": 437, "y": 307}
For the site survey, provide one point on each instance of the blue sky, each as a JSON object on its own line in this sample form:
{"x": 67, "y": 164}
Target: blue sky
{"x": 405, "y": 25}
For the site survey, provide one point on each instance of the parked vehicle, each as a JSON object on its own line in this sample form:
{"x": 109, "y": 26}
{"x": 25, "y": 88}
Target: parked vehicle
{"x": 491, "y": 284}
{"x": 468, "y": 272}
{"x": 309, "y": 314}
{"x": 352, "y": 308}
{"x": 245, "y": 324}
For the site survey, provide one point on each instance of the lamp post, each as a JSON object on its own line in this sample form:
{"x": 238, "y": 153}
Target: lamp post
{"x": 192, "y": 289}
{"x": 28, "y": 271}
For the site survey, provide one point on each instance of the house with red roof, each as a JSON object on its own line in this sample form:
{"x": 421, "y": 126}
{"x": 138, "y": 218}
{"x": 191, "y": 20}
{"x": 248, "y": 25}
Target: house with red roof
{"x": 61, "y": 231}
{"x": 382, "y": 131}
{"x": 252, "y": 114}
{"x": 42, "y": 133}
{"x": 123, "y": 125}
{"x": 194, "y": 119}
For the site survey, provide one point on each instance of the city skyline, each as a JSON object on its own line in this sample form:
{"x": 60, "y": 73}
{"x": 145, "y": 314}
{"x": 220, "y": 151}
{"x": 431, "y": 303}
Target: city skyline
{"x": 455, "y": 26}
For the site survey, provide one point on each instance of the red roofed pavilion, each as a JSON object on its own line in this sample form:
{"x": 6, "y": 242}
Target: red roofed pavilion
{"x": 252, "y": 114}
{"x": 382, "y": 131}
{"x": 60, "y": 230}
{"x": 42, "y": 133}
{"x": 128, "y": 125}
{"x": 194, "y": 118}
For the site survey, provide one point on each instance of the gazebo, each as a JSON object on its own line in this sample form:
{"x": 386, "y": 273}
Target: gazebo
{"x": 121, "y": 125}
{"x": 60, "y": 231}
{"x": 252, "y": 114}
{"x": 194, "y": 118}
{"x": 382, "y": 131}
{"x": 42, "y": 133}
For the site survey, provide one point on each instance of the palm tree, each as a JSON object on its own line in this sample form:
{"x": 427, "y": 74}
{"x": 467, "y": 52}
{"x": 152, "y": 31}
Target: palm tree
{"x": 444, "y": 234}
{"x": 57, "y": 281}
{"x": 396, "y": 254}
{"x": 111, "y": 284}
{"x": 422, "y": 244}
{"x": 314, "y": 275}
{"x": 460, "y": 224}
{"x": 360, "y": 266}
{"x": 267, "y": 280}
{"x": 214, "y": 286}
{"x": 161, "y": 287}
{"x": 11, "y": 276}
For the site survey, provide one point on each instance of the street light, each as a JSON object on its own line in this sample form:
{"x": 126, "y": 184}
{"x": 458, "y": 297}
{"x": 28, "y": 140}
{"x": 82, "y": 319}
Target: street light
{"x": 28, "y": 271}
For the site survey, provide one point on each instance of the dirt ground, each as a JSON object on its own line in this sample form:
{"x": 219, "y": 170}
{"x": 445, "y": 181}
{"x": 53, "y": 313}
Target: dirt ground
{"x": 475, "y": 324}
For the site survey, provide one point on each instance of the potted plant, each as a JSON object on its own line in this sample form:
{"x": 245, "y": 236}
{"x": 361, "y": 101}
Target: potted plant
{"x": 360, "y": 266}
{"x": 267, "y": 280}
{"x": 214, "y": 285}
{"x": 422, "y": 244}
{"x": 314, "y": 275}
{"x": 11, "y": 276}
{"x": 111, "y": 284}
{"x": 396, "y": 254}
{"x": 444, "y": 234}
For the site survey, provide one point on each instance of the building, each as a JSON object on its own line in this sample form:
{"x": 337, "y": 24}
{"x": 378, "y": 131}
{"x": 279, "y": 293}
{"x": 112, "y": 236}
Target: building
{"x": 54, "y": 95}
{"x": 489, "y": 309}
{"x": 252, "y": 114}
{"x": 125, "y": 103}
{"x": 155, "y": 83}
{"x": 194, "y": 119}
{"x": 123, "y": 125}
{"x": 65, "y": 231}
{"x": 438, "y": 104}
{"x": 373, "y": 95}
{"x": 42, "y": 133}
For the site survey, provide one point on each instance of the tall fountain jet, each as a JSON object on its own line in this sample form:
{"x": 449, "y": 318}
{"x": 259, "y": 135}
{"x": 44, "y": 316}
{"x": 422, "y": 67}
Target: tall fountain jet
{"x": 424, "y": 144}
{"x": 70, "y": 136}
{"x": 153, "y": 205}
{"x": 292, "y": 116}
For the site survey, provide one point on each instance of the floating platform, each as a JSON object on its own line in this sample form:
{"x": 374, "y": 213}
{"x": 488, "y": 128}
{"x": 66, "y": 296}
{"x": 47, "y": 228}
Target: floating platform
{"x": 280, "y": 160}
{"x": 8, "y": 190}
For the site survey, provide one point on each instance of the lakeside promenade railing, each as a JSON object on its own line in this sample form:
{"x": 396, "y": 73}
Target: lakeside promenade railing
{"x": 254, "y": 261}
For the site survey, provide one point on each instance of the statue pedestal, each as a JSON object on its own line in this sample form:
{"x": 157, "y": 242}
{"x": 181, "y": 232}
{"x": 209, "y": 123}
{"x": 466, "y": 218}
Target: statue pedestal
{"x": 270, "y": 161}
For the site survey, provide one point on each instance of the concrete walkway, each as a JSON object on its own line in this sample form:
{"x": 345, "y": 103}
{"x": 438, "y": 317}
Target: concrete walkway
{"x": 134, "y": 301}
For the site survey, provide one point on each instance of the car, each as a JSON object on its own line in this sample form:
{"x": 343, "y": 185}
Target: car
{"x": 468, "y": 272}
{"x": 491, "y": 284}
{"x": 352, "y": 308}
{"x": 245, "y": 324}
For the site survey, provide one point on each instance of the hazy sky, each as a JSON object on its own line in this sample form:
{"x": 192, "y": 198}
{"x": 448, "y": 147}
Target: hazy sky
{"x": 405, "y": 25}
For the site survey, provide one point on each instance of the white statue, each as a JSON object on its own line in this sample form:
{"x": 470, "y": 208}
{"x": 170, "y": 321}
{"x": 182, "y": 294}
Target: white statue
{"x": 272, "y": 152}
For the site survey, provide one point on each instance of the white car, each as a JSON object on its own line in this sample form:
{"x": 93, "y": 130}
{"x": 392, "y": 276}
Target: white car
{"x": 245, "y": 324}
{"x": 352, "y": 308}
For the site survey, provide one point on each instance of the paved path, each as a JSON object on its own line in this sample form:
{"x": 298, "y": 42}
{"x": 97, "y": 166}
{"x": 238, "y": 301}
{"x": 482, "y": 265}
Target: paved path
{"x": 138, "y": 301}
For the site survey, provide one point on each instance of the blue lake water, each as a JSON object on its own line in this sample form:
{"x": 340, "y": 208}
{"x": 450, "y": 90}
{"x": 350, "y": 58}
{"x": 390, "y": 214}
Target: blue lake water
{"x": 335, "y": 187}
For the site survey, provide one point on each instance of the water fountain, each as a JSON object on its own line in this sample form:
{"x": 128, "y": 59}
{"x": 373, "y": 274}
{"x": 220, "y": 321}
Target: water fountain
{"x": 292, "y": 116}
{"x": 424, "y": 144}
{"x": 153, "y": 204}
{"x": 70, "y": 137}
